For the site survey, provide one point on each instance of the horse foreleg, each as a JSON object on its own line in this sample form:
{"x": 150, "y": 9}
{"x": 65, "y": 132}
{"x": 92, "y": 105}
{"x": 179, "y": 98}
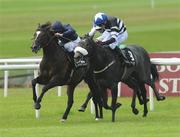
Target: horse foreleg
{"x": 70, "y": 101}
{"x": 114, "y": 104}
{"x": 39, "y": 80}
{"x": 133, "y": 103}
{"x": 33, "y": 83}
{"x": 84, "y": 105}
{"x": 132, "y": 83}
{"x": 52, "y": 83}
{"x": 143, "y": 91}
{"x": 95, "y": 92}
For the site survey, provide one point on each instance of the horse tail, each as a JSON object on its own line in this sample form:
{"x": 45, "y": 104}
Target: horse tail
{"x": 154, "y": 72}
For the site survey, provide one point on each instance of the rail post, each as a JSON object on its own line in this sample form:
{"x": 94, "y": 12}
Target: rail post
{"x": 37, "y": 112}
{"x": 6, "y": 74}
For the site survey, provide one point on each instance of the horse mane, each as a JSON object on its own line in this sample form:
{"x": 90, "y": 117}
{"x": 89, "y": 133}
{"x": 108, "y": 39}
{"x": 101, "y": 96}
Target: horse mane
{"x": 44, "y": 26}
{"x": 105, "y": 51}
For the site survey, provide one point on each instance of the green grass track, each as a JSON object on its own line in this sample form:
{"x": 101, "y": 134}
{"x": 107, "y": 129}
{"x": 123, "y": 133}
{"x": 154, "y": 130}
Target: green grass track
{"x": 17, "y": 117}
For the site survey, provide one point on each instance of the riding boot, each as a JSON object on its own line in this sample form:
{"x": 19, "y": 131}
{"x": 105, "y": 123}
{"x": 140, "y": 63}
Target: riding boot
{"x": 127, "y": 61}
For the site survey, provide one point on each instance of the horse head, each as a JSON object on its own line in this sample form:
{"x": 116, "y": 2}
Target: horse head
{"x": 42, "y": 37}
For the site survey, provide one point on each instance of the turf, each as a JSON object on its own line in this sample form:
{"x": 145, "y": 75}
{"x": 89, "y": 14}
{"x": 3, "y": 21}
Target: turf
{"x": 157, "y": 29}
{"x": 17, "y": 118}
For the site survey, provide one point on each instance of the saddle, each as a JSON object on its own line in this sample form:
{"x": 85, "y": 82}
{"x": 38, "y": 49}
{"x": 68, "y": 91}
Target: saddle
{"x": 127, "y": 55}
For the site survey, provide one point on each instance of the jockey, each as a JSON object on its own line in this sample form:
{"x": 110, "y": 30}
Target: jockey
{"x": 113, "y": 34}
{"x": 66, "y": 34}
{"x": 69, "y": 39}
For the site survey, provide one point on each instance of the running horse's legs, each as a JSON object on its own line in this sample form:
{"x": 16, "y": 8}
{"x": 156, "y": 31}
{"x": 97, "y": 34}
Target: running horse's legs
{"x": 84, "y": 105}
{"x": 52, "y": 83}
{"x": 70, "y": 101}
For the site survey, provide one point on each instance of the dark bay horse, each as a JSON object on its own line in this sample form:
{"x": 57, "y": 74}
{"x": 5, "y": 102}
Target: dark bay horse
{"x": 109, "y": 70}
{"x": 56, "y": 69}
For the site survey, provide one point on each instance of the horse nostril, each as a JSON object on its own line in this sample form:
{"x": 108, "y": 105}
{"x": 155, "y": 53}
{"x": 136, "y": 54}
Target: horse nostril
{"x": 33, "y": 49}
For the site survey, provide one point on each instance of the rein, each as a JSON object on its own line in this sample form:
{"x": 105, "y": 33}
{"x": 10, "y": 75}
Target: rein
{"x": 102, "y": 70}
{"x": 50, "y": 39}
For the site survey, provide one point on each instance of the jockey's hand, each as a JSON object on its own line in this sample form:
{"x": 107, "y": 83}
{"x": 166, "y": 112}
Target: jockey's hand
{"x": 98, "y": 42}
{"x": 58, "y": 34}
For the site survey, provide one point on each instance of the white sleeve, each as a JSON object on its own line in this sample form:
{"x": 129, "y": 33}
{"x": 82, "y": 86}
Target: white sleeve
{"x": 105, "y": 36}
{"x": 114, "y": 34}
{"x": 92, "y": 32}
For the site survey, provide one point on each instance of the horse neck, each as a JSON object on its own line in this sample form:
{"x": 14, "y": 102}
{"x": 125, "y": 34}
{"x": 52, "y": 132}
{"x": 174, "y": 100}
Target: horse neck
{"x": 101, "y": 58}
{"x": 50, "y": 50}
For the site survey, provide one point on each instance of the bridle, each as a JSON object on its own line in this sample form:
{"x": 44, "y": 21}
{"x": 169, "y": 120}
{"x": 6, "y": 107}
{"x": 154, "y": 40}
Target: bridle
{"x": 49, "y": 41}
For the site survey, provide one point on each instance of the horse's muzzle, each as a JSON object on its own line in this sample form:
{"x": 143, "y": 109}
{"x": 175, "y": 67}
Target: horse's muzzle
{"x": 35, "y": 49}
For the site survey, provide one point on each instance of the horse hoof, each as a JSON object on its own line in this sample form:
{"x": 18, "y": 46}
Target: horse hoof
{"x": 37, "y": 106}
{"x": 81, "y": 109}
{"x": 135, "y": 111}
{"x": 97, "y": 119}
{"x": 62, "y": 120}
{"x": 118, "y": 105}
{"x": 161, "y": 98}
{"x": 145, "y": 115}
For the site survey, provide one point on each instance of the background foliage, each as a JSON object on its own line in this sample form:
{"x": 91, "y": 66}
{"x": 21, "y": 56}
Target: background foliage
{"x": 156, "y": 29}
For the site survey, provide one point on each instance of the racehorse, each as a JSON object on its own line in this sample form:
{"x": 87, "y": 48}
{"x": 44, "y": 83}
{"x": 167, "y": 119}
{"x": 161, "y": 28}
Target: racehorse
{"x": 109, "y": 70}
{"x": 56, "y": 69}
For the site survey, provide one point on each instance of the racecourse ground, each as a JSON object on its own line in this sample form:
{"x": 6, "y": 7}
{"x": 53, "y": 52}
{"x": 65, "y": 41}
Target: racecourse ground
{"x": 17, "y": 118}
{"x": 156, "y": 29}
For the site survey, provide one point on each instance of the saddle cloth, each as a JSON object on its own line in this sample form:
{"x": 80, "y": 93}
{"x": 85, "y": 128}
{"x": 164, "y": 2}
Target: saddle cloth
{"x": 127, "y": 53}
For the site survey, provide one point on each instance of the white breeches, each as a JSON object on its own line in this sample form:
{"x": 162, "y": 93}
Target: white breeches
{"x": 70, "y": 46}
{"x": 119, "y": 38}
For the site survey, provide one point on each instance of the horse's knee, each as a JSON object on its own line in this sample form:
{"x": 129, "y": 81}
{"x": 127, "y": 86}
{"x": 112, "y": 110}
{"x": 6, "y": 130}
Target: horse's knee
{"x": 33, "y": 82}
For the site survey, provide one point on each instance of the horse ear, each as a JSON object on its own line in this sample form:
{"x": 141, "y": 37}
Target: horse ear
{"x": 48, "y": 23}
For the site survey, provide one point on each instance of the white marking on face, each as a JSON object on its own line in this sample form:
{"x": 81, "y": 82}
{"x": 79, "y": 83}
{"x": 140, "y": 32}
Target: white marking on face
{"x": 37, "y": 34}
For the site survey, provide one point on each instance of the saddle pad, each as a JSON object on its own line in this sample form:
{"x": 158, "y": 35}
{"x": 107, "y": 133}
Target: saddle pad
{"x": 121, "y": 46}
{"x": 129, "y": 54}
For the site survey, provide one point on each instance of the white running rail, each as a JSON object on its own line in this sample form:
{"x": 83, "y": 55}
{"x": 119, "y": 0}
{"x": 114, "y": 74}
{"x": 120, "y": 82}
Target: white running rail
{"x": 16, "y": 64}
{"x": 10, "y": 64}
{"x": 157, "y": 61}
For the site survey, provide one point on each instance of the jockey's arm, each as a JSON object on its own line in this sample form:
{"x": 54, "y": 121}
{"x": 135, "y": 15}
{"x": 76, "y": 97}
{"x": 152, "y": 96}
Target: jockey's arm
{"x": 107, "y": 38}
{"x": 92, "y": 32}
{"x": 111, "y": 40}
